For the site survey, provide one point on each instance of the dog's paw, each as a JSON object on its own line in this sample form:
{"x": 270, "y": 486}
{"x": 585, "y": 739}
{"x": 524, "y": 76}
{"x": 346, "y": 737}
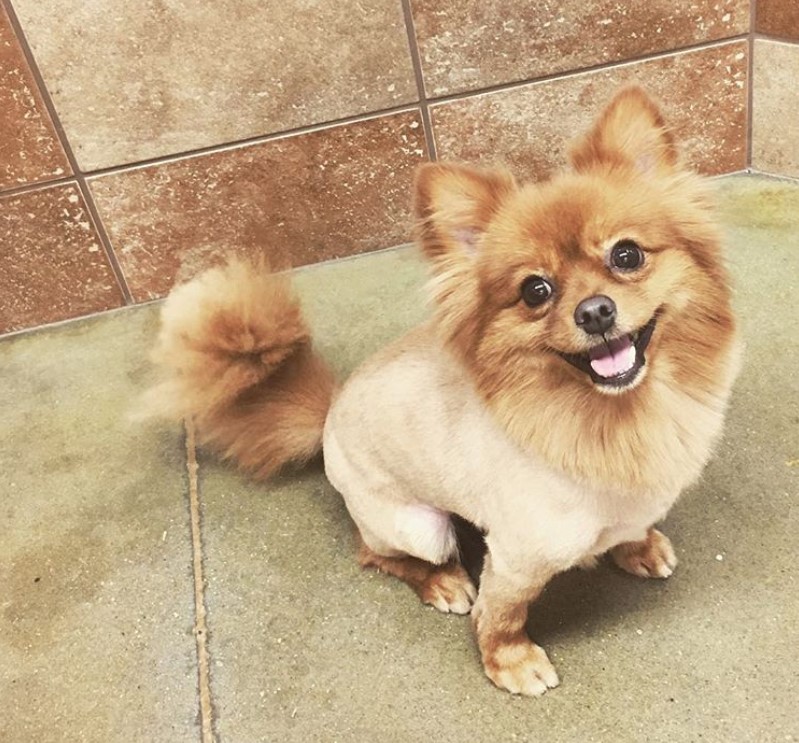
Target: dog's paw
{"x": 449, "y": 589}
{"x": 521, "y": 668}
{"x": 651, "y": 558}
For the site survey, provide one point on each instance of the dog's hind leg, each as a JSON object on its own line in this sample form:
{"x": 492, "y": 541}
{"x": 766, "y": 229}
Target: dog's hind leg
{"x": 447, "y": 587}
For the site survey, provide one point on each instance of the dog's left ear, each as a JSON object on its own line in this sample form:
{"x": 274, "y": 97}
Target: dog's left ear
{"x": 631, "y": 130}
{"x": 453, "y": 205}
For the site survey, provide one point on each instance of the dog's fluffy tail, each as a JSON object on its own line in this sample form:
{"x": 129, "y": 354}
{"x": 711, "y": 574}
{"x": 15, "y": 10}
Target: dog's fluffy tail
{"x": 237, "y": 358}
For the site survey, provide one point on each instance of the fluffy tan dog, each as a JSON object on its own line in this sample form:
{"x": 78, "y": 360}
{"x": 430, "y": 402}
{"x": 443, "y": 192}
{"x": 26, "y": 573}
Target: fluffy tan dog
{"x": 571, "y": 383}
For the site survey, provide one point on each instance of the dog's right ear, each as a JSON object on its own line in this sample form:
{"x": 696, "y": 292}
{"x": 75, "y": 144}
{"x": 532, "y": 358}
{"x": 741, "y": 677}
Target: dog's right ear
{"x": 453, "y": 205}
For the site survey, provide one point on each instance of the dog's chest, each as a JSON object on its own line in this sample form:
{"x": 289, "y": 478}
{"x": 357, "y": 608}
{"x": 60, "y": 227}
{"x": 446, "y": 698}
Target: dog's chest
{"x": 536, "y": 512}
{"x": 415, "y": 432}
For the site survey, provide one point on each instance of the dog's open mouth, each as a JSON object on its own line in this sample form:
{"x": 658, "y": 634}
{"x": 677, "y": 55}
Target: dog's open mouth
{"x": 616, "y": 362}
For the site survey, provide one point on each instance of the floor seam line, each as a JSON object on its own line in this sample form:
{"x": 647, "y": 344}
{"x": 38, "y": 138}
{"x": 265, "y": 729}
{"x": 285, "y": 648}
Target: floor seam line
{"x": 200, "y": 625}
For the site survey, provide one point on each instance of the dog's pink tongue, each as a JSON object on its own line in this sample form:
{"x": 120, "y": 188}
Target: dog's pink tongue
{"x": 613, "y": 358}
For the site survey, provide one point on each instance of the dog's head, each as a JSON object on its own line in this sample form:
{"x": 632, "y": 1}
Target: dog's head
{"x": 589, "y": 284}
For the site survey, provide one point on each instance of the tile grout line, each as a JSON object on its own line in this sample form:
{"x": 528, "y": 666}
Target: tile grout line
{"x": 77, "y": 174}
{"x": 157, "y": 300}
{"x": 55, "y": 324}
{"x": 600, "y": 67}
{"x": 200, "y": 625}
{"x": 750, "y": 83}
{"x": 253, "y": 140}
{"x": 416, "y": 62}
{"x": 423, "y": 105}
{"x": 151, "y": 302}
{"x": 774, "y": 176}
{"x": 99, "y": 226}
{"x": 37, "y": 186}
{"x": 763, "y": 36}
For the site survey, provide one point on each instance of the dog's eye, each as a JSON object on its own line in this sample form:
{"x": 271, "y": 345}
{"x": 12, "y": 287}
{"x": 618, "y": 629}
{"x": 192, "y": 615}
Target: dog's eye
{"x": 626, "y": 255}
{"x": 535, "y": 291}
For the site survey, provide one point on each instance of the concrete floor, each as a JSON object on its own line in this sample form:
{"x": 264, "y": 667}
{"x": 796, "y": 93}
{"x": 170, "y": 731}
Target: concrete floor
{"x": 99, "y": 632}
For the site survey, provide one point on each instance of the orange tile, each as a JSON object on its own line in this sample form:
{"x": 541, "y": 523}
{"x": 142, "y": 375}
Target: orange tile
{"x": 54, "y": 266}
{"x": 136, "y": 80}
{"x": 778, "y": 18}
{"x": 30, "y": 151}
{"x": 471, "y": 44}
{"x": 326, "y": 194}
{"x": 703, "y": 94}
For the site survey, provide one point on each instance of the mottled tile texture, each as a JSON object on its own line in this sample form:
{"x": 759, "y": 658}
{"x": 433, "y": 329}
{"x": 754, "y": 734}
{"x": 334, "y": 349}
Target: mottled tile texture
{"x": 775, "y": 125}
{"x": 97, "y": 607}
{"x": 133, "y": 81}
{"x": 471, "y": 44}
{"x": 327, "y": 194}
{"x": 778, "y": 17}
{"x": 54, "y": 266}
{"x": 29, "y": 148}
{"x": 703, "y": 94}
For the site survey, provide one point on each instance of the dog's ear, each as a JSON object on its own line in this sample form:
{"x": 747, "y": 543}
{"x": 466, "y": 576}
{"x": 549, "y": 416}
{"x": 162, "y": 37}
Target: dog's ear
{"x": 453, "y": 205}
{"x": 631, "y": 130}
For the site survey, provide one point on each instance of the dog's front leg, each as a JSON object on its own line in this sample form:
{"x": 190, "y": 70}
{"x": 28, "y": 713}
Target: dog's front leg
{"x": 510, "y": 659}
{"x": 652, "y": 557}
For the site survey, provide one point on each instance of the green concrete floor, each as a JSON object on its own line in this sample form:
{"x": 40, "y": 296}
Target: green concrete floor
{"x": 97, "y": 582}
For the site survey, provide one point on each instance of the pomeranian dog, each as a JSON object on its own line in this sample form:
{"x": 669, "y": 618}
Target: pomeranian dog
{"x": 570, "y": 384}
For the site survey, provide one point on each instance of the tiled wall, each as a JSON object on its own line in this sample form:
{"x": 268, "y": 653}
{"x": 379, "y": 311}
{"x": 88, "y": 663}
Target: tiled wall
{"x": 775, "y": 121}
{"x": 140, "y": 141}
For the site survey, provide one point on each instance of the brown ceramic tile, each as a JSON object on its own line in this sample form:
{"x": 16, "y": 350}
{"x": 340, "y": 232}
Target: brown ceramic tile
{"x": 703, "y": 94}
{"x": 302, "y": 199}
{"x": 132, "y": 81}
{"x": 29, "y": 148}
{"x": 775, "y": 127}
{"x": 471, "y": 44}
{"x": 778, "y": 17}
{"x": 54, "y": 266}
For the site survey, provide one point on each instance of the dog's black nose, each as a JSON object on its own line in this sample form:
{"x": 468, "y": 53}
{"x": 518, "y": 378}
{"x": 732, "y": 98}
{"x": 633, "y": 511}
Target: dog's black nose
{"x": 596, "y": 314}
